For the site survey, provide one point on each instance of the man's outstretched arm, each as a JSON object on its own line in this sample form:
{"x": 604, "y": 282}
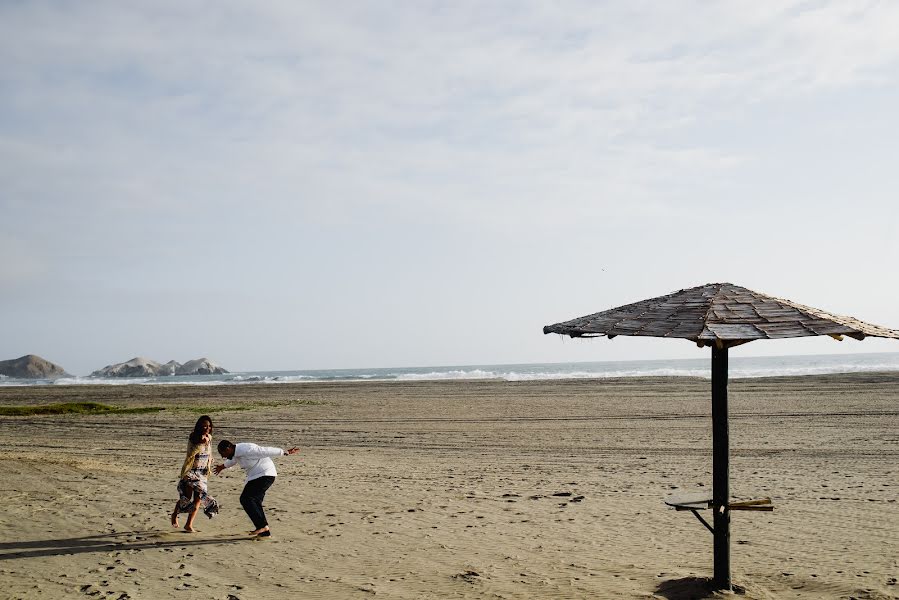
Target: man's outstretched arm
{"x": 254, "y": 451}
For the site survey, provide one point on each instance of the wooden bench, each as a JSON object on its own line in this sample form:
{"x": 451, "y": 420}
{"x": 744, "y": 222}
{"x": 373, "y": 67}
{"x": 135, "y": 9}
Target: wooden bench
{"x": 702, "y": 502}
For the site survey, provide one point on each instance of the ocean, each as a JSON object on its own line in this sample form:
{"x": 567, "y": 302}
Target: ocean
{"x": 739, "y": 367}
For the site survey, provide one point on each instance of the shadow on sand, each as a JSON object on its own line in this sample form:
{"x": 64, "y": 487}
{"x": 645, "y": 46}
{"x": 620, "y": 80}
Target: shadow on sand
{"x": 111, "y": 542}
{"x": 693, "y": 588}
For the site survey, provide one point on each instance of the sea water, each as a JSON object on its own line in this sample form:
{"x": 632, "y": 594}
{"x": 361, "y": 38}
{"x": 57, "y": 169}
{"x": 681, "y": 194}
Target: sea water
{"x": 739, "y": 367}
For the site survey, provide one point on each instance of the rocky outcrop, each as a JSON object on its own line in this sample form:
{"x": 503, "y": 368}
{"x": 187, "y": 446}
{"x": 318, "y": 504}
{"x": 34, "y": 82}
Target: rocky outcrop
{"x": 136, "y": 367}
{"x": 200, "y": 366}
{"x": 31, "y": 366}
{"x": 170, "y": 368}
{"x": 144, "y": 367}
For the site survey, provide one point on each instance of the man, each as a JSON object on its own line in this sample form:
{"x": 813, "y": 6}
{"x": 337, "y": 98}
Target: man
{"x": 261, "y": 473}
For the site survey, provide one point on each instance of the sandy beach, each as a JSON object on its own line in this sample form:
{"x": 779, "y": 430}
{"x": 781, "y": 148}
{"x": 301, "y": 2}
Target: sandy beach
{"x": 477, "y": 489}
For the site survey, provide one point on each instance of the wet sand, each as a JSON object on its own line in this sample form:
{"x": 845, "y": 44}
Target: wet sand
{"x": 476, "y": 489}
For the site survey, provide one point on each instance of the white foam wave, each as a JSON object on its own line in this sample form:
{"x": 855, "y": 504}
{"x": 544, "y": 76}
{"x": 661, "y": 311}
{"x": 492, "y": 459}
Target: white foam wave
{"x": 287, "y": 379}
{"x": 539, "y": 376}
{"x": 454, "y": 374}
{"x": 548, "y": 375}
{"x": 750, "y": 373}
{"x": 99, "y": 380}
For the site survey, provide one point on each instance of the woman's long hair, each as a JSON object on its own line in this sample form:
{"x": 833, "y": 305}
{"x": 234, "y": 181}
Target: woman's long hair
{"x": 196, "y": 436}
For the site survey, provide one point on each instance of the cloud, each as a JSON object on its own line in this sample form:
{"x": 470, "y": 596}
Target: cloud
{"x": 508, "y": 111}
{"x": 500, "y": 116}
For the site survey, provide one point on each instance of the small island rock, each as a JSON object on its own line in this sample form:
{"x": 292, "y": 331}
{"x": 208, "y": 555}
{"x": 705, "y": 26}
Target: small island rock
{"x": 200, "y": 366}
{"x": 136, "y": 367}
{"x": 144, "y": 367}
{"x": 170, "y": 368}
{"x": 31, "y": 366}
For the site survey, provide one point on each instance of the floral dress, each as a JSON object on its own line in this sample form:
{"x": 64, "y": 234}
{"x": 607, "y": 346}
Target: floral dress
{"x": 197, "y": 466}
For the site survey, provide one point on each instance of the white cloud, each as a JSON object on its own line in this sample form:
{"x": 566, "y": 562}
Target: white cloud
{"x": 161, "y": 105}
{"x": 162, "y": 98}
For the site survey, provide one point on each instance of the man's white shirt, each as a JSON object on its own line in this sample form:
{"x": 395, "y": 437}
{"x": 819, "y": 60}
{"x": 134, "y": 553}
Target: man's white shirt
{"x": 255, "y": 460}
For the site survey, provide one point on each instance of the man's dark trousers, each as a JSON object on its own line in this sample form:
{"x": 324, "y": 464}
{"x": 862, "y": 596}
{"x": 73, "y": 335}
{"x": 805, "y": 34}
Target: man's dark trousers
{"x": 252, "y": 497}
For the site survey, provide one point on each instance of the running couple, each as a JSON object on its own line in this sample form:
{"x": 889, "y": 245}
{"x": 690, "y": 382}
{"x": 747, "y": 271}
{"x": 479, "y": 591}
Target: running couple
{"x": 192, "y": 485}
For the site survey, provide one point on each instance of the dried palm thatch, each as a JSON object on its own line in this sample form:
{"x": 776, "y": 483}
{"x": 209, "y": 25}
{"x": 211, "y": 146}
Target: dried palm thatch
{"x": 719, "y": 314}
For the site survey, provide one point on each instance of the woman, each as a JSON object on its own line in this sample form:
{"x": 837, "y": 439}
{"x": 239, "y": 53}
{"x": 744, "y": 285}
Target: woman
{"x": 192, "y": 484}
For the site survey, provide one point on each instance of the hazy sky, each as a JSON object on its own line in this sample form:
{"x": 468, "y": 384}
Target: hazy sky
{"x": 293, "y": 185}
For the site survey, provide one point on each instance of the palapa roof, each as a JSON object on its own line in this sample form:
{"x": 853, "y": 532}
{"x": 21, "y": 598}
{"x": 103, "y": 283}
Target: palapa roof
{"x": 720, "y": 314}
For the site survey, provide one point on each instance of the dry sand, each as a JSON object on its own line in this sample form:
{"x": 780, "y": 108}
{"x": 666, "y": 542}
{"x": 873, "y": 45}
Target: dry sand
{"x": 459, "y": 490}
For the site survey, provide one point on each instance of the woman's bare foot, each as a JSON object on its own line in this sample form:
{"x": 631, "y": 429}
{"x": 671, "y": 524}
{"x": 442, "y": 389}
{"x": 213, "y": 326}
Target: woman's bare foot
{"x": 175, "y": 523}
{"x": 260, "y": 530}
{"x": 189, "y": 524}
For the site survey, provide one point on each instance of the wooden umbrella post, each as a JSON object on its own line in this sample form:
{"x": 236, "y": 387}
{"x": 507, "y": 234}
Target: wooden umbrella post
{"x": 720, "y": 469}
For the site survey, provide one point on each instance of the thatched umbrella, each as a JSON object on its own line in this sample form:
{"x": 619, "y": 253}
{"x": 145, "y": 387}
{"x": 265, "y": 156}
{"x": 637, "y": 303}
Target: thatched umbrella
{"x": 719, "y": 315}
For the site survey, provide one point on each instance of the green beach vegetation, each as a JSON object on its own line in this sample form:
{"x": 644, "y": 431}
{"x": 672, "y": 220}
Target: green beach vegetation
{"x": 78, "y": 408}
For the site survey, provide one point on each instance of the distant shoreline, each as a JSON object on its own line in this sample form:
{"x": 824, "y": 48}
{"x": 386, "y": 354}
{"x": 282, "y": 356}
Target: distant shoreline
{"x": 134, "y": 394}
{"x": 692, "y": 368}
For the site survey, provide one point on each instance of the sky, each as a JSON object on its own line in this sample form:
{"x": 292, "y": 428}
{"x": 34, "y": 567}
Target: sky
{"x": 301, "y": 185}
